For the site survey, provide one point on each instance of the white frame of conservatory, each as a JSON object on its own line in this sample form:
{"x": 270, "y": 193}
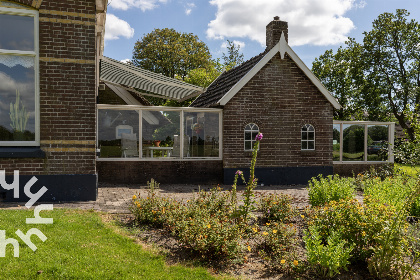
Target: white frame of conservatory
{"x": 391, "y": 131}
{"x": 166, "y": 109}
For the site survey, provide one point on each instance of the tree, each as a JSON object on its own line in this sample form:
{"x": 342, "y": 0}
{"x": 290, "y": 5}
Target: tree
{"x": 170, "y": 53}
{"x": 233, "y": 58}
{"x": 380, "y": 78}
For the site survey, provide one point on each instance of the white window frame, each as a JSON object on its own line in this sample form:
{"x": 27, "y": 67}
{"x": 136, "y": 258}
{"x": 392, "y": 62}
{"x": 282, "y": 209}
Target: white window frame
{"x": 250, "y": 127}
{"x": 145, "y": 109}
{"x": 35, "y": 53}
{"x": 307, "y": 141}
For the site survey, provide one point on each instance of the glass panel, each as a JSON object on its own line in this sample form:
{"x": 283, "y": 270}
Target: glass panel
{"x": 353, "y": 142}
{"x": 201, "y": 133}
{"x": 304, "y": 128}
{"x": 17, "y": 98}
{"x": 248, "y": 145}
{"x": 248, "y": 135}
{"x": 118, "y": 133}
{"x": 311, "y": 145}
{"x": 377, "y": 148}
{"x": 310, "y": 128}
{"x": 161, "y": 134}
{"x": 336, "y": 142}
{"x": 304, "y": 135}
{"x": 311, "y": 136}
{"x": 19, "y": 34}
{"x": 254, "y": 135}
{"x": 304, "y": 145}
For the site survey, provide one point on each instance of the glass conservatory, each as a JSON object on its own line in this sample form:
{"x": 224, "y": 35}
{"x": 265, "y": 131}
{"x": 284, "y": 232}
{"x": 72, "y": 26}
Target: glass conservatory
{"x": 133, "y": 132}
{"x": 363, "y": 142}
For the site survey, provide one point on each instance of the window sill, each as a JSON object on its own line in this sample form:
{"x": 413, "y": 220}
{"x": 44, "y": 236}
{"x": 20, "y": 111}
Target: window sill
{"x": 21, "y": 152}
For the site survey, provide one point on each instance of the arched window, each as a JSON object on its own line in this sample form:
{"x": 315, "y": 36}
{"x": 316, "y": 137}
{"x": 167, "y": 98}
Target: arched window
{"x": 251, "y": 131}
{"x": 308, "y": 137}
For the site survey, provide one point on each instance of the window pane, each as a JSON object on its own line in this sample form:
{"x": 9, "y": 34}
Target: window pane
{"x": 311, "y": 136}
{"x": 377, "y": 148}
{"x": 248, "y": 135}
{"x": 118, "y": 133}
{"x": 311, "y": 145}
{"x": 304, "y": 135}
{"x": 254, "y": 134}
{"x": 304, "y": 145}
{"x": 17, "y": 98}
{"x": 201, "y": 133}
{"x": 161, "y": 134}
{"x": 304, "y": 128}
{"x": 353, "y": 142}
{"x": 19, "y": 34}
{"x": 248, "y": 145}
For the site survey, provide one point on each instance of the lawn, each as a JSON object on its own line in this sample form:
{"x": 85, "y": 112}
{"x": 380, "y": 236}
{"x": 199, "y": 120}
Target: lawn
{"x": 409, "y": 169}
{"x": 81, "y": 246}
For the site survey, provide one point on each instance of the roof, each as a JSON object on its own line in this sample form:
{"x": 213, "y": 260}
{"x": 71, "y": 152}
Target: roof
{"x": 145, "y": 82}
{"x": 225, "y": 82}
{"x": 231, "y": 82}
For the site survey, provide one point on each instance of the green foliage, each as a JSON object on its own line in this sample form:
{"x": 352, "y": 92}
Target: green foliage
{"x": 356, "y": 223}
{"x": 249, "y": 201}
{"x": 233, "y": 58}
{"x": 171, "y": 53}
{"x": 326, "y": 260}
{"x": 277, "y": 207}
{"x": 376, "y": 79}
{"x": 323, "y": 190}
{"x": 278, "y": 245}
{"x": 389, "y": 258}
{"x": 18, "y": 115}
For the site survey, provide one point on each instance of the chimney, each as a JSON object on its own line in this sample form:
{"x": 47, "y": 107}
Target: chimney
{"x": 273, "y": 32}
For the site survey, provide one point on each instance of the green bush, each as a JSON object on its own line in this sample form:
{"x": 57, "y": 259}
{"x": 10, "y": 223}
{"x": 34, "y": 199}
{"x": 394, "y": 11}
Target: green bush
{"x": 277, "y": 245}
{"x": 357, "y": 223}
{"x": 277, "y": 207}
{"x": 326, "y": 260}
{"x": 323, "y": 190}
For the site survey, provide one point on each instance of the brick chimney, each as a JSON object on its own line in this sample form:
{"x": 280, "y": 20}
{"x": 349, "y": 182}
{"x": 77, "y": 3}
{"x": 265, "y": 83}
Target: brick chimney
{"x": 273, "y": 32}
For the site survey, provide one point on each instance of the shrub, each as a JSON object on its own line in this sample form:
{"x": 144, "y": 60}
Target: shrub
{"x": 277, "y": 245}
{"x": 323, "y": 190}
{"x": 277, "y": 207}
{"x": 357, "y": 223}
{"x": 326, "y": 260}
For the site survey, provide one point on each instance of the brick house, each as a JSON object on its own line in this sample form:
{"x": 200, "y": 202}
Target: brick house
{"x": 48, "y": 61}
{"x": 276, "y": 94}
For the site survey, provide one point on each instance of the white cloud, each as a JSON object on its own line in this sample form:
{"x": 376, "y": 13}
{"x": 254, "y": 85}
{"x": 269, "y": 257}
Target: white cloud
{"x": 237, "y": 43}
{"x": 127, "y": 60}
{"x": 144, "y": 5}
{"x": 317, "y": 22}
{"x": 116, "y": 28}
{"x": 188, "y": 8}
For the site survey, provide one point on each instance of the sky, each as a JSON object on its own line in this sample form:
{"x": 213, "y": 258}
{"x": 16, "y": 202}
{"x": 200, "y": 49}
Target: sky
{"x": 314, "y": 25}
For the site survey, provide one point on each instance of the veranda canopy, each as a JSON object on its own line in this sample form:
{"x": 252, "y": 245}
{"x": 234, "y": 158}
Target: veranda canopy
{"x": 145, "y": 82}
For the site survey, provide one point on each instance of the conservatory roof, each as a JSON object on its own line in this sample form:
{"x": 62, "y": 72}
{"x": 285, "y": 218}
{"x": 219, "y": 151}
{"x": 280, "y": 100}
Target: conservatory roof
{"x": 145, "y": 82}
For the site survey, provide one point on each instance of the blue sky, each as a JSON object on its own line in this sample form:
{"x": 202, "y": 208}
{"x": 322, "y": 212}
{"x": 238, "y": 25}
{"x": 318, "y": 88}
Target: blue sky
{"x": 314, "y": 25}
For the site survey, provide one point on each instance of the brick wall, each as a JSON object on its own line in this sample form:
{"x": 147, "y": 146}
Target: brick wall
{"x": 165, "y": 172}
{"x": 280, "y": 99}
{"x": 67, "y": 89}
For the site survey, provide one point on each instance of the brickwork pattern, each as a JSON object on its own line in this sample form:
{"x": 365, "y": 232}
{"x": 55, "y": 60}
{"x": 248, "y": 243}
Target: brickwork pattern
{"x": 165, "y": 172}
{"x": 67, "y": 89}
{"x": 280, "y": 99}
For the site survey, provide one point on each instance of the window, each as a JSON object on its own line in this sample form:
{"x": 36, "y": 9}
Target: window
{"x": 19, "y": 97}
{"x": 251, "y": 131}
{"x": 308, "y": 137}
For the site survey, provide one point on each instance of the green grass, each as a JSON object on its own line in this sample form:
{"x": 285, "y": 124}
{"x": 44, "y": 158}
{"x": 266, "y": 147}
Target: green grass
{"x": 409, "y": 169}
{"x": 81, "y": 246}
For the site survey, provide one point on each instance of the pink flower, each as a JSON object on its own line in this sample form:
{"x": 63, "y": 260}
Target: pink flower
{"x": 259, "y": 137}
{"x": 239, "y": 172}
